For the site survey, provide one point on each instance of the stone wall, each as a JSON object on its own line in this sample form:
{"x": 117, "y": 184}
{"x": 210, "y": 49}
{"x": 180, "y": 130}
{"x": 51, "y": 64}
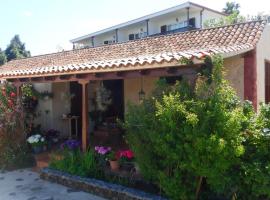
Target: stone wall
{"x": 97, "y": 187}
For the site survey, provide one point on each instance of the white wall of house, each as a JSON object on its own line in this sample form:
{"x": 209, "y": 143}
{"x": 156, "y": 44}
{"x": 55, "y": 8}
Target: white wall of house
{"x": 263, "y": 54}
{"x": 99, "y": 40}
{"x": 44, "y": 108}
{"x": 60, "y": 106}
{"x": 123, "y": 34}
{"x": 154, "y": 25}
{"x": 50, "y": 110}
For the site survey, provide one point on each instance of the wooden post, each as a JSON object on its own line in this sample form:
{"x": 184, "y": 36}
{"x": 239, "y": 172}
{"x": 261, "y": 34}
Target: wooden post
{"x": 18, "y": 91}
{"x": 85, "y": 117}
{"x": 250, "y": 78}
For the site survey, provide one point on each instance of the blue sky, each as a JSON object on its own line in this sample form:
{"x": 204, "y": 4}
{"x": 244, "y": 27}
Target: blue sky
{"x": 48, "y": 25}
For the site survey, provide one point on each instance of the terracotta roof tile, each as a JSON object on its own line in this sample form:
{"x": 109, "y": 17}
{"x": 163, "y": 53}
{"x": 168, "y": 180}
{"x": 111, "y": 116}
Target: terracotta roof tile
{"x": 168, "y": 48}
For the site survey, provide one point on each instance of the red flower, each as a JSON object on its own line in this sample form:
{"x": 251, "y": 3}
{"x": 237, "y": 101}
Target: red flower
{"x": 12, "y": 94}
{"x": 126, "y": 154}
{"x": 129, "y": 154}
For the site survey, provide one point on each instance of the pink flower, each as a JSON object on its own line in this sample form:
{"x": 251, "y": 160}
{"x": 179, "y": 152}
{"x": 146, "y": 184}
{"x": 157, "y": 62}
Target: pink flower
{"x": 102, "y": 150}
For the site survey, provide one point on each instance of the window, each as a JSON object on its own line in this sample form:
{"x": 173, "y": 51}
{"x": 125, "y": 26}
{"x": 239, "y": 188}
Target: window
{"x": 109, "y": 42}
{"x": 136, "y": 36}
{"x": 131, "y": 37}
{"x": 192, "y": 22}
{"x": 171, "y": 80}
{"x": 163, "y": 29}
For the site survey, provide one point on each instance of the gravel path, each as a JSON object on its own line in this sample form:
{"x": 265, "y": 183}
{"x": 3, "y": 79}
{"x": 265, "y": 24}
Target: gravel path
{"x": 26, "y": 185}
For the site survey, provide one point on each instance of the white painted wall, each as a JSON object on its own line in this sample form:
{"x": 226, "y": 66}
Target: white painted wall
{"x": 60, "y": 106}
{"x": 263, "y": 53}
{"x": 154, "y": 25}
{"x": 123, "y": 34}
{"x": 44, "y": 118}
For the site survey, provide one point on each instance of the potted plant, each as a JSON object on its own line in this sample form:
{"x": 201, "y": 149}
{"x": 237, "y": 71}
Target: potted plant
{"x": 37, "y": 143}
{"x": 114, "y": 164}
{"x": 126, "y": 159}
{"x": 101, "y": 154}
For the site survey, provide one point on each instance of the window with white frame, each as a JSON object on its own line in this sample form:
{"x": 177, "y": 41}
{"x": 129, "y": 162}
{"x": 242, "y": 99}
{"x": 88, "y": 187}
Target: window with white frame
{"x": 136, "y": 36}
{"x": 109, "y": 42}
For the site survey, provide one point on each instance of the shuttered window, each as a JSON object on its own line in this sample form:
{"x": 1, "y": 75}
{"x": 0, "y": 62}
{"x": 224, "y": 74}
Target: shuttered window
{"x": 267, "y": 82}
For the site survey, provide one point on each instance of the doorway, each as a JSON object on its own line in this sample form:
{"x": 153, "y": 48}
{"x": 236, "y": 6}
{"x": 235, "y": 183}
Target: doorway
{"x": 116, "y": 108}
{"x": 76, "y": 107}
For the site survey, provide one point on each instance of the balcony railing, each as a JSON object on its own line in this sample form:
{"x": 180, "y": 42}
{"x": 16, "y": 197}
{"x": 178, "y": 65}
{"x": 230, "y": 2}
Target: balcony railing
{"x": 183, "y": 29}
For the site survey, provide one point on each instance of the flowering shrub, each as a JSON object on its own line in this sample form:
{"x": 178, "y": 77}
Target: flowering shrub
{"x": 36, "y": 140}
{"x": 71, "y": 145}
{"x": 7, "y": 99}
{"x": 14, "y": 152}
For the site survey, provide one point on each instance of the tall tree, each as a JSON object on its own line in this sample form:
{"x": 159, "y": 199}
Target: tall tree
{"x": 3, "y": 58}
{"x": 16, "y": 49}
{"x": 232, "y": 7}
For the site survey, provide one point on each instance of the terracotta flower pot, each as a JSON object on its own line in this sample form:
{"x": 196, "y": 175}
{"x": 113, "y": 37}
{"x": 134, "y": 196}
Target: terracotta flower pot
{"x": 114, "y": 165}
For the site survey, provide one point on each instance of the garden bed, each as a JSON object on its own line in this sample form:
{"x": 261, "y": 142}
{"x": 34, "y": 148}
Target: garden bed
{"x": 97, "y": 187}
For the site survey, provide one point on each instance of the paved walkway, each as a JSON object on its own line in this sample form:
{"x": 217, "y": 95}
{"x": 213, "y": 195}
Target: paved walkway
{"x": 26, "y": 185}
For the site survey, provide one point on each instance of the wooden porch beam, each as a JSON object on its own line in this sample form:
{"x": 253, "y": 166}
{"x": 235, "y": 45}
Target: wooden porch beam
{"x": 85, "y": 117}
{"x": 50, "y": 78}
{"x": 66, "y": 77}
{"x": 168, "y": 71}
{"x": 145, "y": 72}
{"x": 23, "y": 80}
{"x": 82, "y": 76}
{"x": 37, "y": 79}
{"x": 172, "y": 70}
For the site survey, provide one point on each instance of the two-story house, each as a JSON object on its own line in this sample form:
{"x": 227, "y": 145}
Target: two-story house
{"x": 184, "y": 17}
{"x": 128, "y": 60}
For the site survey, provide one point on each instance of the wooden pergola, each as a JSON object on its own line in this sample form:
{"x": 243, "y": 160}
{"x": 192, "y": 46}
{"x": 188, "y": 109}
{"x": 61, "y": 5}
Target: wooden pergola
{"x": 85, "y": 78}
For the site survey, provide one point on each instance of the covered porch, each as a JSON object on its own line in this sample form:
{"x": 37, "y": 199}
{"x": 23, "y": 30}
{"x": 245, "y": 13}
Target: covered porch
{"x": 124, "y": 87}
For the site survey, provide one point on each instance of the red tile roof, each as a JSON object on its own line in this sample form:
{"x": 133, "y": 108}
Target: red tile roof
{"x": 138, "y": 53}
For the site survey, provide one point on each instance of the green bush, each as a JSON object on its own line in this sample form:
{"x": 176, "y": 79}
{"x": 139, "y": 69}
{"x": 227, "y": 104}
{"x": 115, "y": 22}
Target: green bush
{"x": 190, "y": 141}
{"x": 254, "y": 173}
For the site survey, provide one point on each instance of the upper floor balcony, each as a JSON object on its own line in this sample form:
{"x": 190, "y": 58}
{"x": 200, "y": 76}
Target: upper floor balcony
{"x": 181, "y": 18}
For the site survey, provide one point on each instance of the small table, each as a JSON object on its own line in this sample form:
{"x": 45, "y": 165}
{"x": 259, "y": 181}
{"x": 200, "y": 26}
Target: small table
{"x": 70, "y": 118}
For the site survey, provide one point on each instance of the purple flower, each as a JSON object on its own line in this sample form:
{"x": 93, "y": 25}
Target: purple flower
{"x": 71, "y": 145}
{"x": 102, "y": 150}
